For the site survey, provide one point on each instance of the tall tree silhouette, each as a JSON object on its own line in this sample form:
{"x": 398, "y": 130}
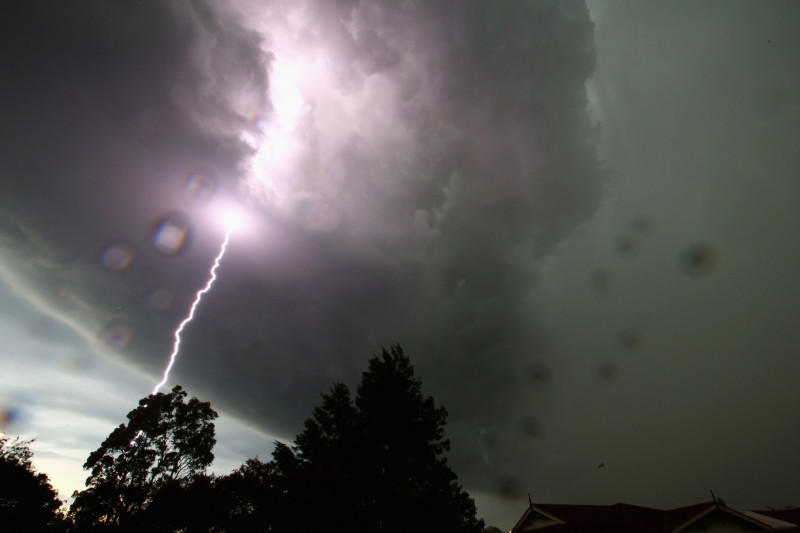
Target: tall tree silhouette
{"x": 26, "y": 497}
{"x": 186, "y": 507}
{"x": 375, "y": 463}
{"x": 166, "y": 441}
{"x": 250, "y": 497}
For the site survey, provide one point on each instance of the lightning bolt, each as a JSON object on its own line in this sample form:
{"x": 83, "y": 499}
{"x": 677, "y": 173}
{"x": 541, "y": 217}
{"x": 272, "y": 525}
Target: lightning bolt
{"x": 177, "y": 345}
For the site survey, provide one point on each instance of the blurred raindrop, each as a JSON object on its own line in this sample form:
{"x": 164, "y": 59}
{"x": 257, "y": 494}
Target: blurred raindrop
{"x": 627, "y": 245}
{"x": 643, "y": 223}
{"x": 116, "y": 335}
{"x": 540, "y": 373}
{"x": 117, "y": 256}
{"x": 76, "y": 363}
{"x": 530, "y": 426}
{"x": 630, "y": 339}
{"x": 17, "y": 413}
{"x": 602, "y": 278}
{"x": 698, "y": 259}
{"x": 171, "y": 234}
{"x": 509, "y": 486}
{"x": 199, "y": 186}
{"x": 8, "y": 416}
{"x": 62, "y": 296}
{"x": 607, "y": 370}
{"x": 148, "y": 123}
{"x": 160, "y": 299}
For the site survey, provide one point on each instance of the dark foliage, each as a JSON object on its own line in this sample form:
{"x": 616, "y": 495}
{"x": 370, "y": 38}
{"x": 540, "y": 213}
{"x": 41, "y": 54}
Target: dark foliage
{"x": 250, "y": 497}
{"x": 190, "y": 508}
{"x": 167, "y": 443}
{"x": 375, "y": 463}
{"x": 25, "y": 496}
{"x": 371, "y": 463}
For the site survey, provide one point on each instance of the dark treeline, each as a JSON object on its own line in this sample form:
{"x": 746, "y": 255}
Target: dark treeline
{"x": 373, "y": 462}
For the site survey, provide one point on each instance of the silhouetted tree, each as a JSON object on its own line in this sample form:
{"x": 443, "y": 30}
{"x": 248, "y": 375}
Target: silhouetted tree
{"x": 376, "y": 463}
{"x": 249, "y": 496}
{"x": 165, "y": 442}
{"x": 26, "y": 497}
{"x": 193, "y": 507}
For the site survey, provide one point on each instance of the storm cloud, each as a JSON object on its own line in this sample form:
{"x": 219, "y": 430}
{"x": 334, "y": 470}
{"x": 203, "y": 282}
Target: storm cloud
{"x": 576, "y": 226}
{"x": 437, "y": 152}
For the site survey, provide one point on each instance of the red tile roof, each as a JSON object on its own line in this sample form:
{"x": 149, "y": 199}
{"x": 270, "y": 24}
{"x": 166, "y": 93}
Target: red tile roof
{"x": 599, "y": 518}
{"x": 621, "y": 517}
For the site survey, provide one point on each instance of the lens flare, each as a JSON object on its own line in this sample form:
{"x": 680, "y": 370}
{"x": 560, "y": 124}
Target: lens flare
{"x": 177, "y": 344}
{"x": 116, "y": 336}
{"x": 117, "y": 256}
{"x": 171, "y": 235}
{"x": 199, "y": 187}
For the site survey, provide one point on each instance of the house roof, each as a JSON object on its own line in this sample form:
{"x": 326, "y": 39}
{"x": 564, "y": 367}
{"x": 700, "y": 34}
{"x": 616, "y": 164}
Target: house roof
{"x": 621, "y": 517}
{"x": 682, "y": 516}
{"x": 784, "y": 518}
{"x": 576, "y": 518}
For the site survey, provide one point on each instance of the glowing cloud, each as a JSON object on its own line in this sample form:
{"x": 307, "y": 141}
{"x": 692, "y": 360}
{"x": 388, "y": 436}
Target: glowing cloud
{"x": 232, "y": 220}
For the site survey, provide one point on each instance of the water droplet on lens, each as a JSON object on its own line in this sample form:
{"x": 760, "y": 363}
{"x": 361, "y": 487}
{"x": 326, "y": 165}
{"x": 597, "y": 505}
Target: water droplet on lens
{"x": 643, "y": 223}
{"x": 8, "y": 416}
{"x": 76, "y": 363}
{"x": 698, "y": 259}
{"x": 62, "y": 295}
{"x": 629, "y": 339}
{"x": 17, "y": 413}
{"x": 171, "y": 234}
{"x": 117, "y": 256}
{"x": 607, "y": 370}
{"x": 509, "y": 486}
{"x": 530, "y": 426}
{"x": 148, "y": 124}
{"x": 602, "y": 278}
{"x": 160, "y": 299}
{"x": 199, "y": 186}
{"x": 116, "y": 335}
{"x": 540, "y": 373}
{"x": 627, "y": 244}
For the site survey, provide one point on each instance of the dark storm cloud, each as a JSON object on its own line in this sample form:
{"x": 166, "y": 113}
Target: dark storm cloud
{"x": 107, "y": 109}
{"x": 469, "y": 158}
{"x": 445, "y": 152}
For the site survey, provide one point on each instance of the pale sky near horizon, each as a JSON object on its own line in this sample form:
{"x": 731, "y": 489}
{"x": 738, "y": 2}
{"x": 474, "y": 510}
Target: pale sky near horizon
{"x": 587, "y": 263}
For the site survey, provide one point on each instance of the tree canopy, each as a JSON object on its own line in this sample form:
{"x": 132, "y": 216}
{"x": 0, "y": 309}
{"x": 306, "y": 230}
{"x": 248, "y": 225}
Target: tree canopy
{"x": 26, "y": 497}
{"x": 166, "y": 441}
{"x": 250, "y": 498}
{"x": 369, "y": 463}
{"x": 376, "y": 462}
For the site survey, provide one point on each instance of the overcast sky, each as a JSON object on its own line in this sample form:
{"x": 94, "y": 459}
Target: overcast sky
{"x": 581, "y": 222}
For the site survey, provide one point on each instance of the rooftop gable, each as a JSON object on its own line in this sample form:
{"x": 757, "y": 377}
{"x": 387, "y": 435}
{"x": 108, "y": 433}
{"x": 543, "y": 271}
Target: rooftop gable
{"x": 782, "y": 519}
{"x": 716, "y": 512}
{"x": 621, "y": 518}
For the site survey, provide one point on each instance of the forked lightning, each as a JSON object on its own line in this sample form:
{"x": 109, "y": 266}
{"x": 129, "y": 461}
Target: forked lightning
{"x": 177, "y": 345}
